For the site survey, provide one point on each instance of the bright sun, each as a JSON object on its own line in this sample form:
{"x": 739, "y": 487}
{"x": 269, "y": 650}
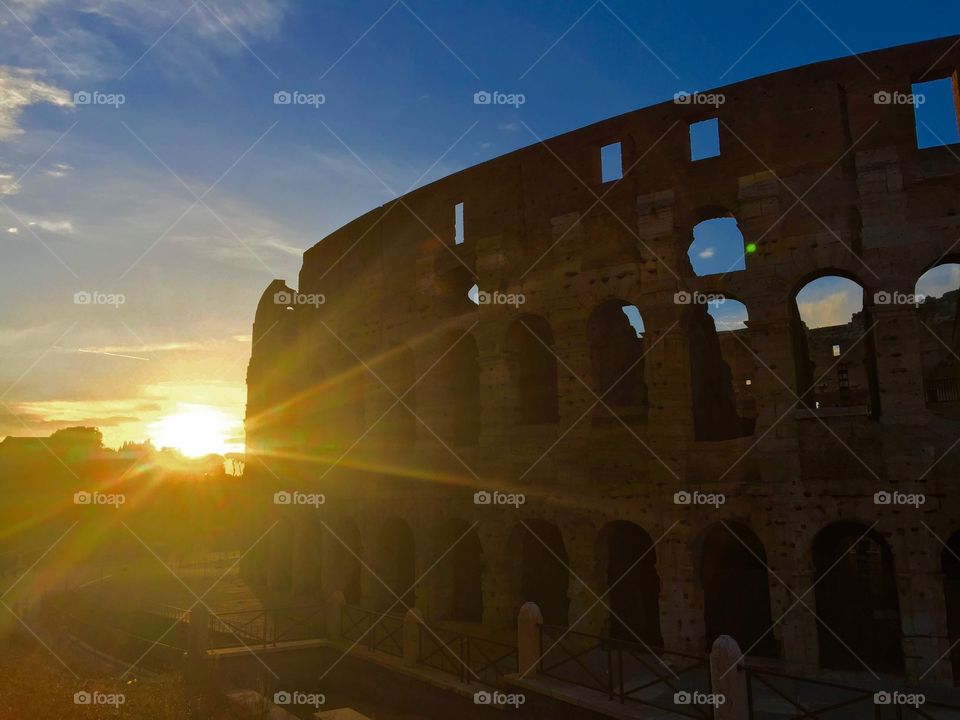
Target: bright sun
{"x": 196, "y": 430}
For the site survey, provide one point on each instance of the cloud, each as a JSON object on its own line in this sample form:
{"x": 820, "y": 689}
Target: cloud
{"x": 59, "y": 170}
{"x": 835, "y": 308}
{"x": 8, "y": 184}
{"x": 13, "y": 230}
{"x": 706, "y": 253}
{"x": 942, "y": 279}
{"x": 59, "y": 227}
{"x": 102, "y": 39}
{"x": 19, "y": 89}
{"x": 510, "y": 127}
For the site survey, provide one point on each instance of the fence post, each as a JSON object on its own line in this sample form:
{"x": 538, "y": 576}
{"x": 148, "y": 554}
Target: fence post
{"x": 728, "y": 679}
{"x": 198, "y": 631}
{"x": 335, "y": 615}
{"x": 529, "y": 621}
{"x": 411, "y": 636}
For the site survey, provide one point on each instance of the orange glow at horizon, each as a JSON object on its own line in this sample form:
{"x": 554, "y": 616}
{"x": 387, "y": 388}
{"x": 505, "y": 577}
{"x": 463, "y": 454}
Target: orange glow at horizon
{"x": 197, "y": 430}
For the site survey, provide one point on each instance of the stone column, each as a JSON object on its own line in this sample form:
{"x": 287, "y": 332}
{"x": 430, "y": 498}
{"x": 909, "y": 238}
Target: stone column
{"x": 411, "y": 637}
{"x": 728, "y": 680}
{"x": 334, "y": 620}
{"x": 923, "y": 612}
{"x": 529, "y": 621}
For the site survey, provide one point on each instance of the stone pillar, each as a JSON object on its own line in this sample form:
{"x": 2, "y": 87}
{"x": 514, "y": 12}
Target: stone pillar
{"x": 923, "y": 612}
{"x": 334, "y": 618}
{"x": 730, "y": 683}
{"x": 681, "y": 597}
{"x": 586, "y": 613}
{"x": 411, "y": 637}
{"x": 897, "y": 335}
{"x": 529, "y": 621}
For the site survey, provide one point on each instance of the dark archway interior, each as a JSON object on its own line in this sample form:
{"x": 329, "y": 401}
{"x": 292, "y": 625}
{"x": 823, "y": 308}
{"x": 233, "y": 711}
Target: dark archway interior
{"x": 736, "y": 591}
{"x": 459, "y": 378}
{"x": 544, "y": 575}
{"x": 951, "y": 593}
{"x": 857, "y": 600}
{"x": 460, "y": 574}
{"x": 533, "y": 365}
{"x": 396, "y": 565}
{"x": 347, "y": 560}
{"x": 616, "y": 356}
{"x": 633, "y": 584}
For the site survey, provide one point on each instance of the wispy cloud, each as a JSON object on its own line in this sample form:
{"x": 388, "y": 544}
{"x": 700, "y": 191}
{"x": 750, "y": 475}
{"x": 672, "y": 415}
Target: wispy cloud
{"x": 19, "y": 89}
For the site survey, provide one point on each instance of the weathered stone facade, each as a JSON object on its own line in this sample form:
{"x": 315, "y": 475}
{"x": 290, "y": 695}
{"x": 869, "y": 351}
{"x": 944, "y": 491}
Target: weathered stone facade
{"x": 399, "y": 398}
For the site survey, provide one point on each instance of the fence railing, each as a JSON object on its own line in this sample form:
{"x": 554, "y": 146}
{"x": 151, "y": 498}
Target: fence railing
{"x": 469, "y": 657}
{"x": 378, "y": 631}
{"x": 942, "y": 391}
{"x": 266, "y": 626}
{"x": 777, "y": 695}
{"x": 129, "y": 637}
{"x": 626, "y": 671}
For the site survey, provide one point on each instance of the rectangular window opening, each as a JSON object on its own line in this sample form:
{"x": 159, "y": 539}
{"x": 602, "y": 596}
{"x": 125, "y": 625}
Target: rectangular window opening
{"x": 836, "y": 351}
{"x": 704, "y": 139}
{"x": 458, "y": 224}
{"x": 611, "y": 162}
{"x": 749, "y": 382}
{"x": 936, "y": 113}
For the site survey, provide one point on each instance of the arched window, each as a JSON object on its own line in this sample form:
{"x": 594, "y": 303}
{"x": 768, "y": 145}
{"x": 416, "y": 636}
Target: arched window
{"x": 632, "y": 583}
{"x": 856, "y": 593}
{"x": 399, "y": 374}
{"x": 736, "y": 591}
{"x": 459, "y": 574}
{"x": 452, "y": 291}
{"x": 539, "y": 571}
{"x": 939, "y": 341}
{"x": 836, "y": 364}
{"x": 533, "y": 366}
{"x": 395, "y": 566}
{"x": 280, "y": 572}
{"x": 717, "y": 247}
{"x": 346, "y": 551}
{"x": 615, "y": 343}
{"x": 730, "y": 319}
{"x": 951, "y": 596}
{"x": 458, "y": 376}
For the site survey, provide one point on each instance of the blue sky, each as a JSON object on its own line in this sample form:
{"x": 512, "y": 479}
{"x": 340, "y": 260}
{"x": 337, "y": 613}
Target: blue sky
{"x": 103, "y": 198}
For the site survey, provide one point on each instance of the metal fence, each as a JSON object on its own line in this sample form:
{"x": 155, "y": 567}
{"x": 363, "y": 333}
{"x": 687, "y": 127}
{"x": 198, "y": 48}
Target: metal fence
{"x": 469, "y": 657}
{"x": 774, "y": 695}
{"x": 379, "y": 631}
{"x": 628, "y": 672}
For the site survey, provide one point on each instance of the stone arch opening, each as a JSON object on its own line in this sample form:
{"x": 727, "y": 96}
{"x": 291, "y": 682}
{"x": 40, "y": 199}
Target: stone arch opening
{"x": 533, "y": 366}
{"x": 346, "y": 550}
{"x": 458, "y": 375}
{"x": 939, "y": 336}
{"x": 730, "y": 319}
{"x": 539, "y": 574}
{"x": 628, "y": 562}
{"x": 951, "y": 596}
{"x": 715, "y": 415}
{"x": 281, "y": 557}
{"x": 856, "y": 593}
{"x": 459, "y": 574}
{"x": 717, "y": 246}
{"x": 615, "y": 341}
{"x": 736, "y": 590}
{"x": 395, "y": 566}
{"x": 399, "y": 374}
{"x": 833, "y": 345}
{"x": 452, "y": 291}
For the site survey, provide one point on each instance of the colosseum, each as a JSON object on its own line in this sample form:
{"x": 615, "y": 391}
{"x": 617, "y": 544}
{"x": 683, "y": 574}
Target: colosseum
{"x": 463, "y": 374}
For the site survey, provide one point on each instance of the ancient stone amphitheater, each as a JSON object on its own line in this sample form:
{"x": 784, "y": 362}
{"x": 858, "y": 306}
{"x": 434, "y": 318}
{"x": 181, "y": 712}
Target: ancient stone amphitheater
{"x": 665, "y": 486}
